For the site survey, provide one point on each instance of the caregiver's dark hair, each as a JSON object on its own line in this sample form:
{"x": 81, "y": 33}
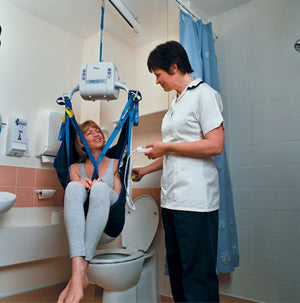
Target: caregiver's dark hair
{"x": 166, "y": 54}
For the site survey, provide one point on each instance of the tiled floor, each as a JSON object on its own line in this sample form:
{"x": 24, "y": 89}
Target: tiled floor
{"x": 93, "y": 294}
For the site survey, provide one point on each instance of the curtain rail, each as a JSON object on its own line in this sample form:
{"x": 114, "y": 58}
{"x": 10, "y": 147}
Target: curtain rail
{"x": 192, "y": 13}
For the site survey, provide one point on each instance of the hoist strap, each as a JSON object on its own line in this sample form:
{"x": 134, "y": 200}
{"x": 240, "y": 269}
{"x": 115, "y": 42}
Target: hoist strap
{"x": 130, "y": 111}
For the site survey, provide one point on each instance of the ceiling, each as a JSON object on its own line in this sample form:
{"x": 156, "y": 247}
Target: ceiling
{"x": 82, "y": 17}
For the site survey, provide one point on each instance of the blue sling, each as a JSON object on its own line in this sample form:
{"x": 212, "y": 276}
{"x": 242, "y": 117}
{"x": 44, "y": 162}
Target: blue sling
{"x": 67, "y": 154}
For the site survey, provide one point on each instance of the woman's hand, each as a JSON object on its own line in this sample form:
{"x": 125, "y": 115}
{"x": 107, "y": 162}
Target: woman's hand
{"x": 137, "y": 174}
{"x": 88, "y": 183}
{"x": 157, "y": 150}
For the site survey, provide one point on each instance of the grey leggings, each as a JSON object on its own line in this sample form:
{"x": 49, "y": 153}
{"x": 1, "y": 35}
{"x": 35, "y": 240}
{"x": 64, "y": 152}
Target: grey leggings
{"x": 84, "y": 233}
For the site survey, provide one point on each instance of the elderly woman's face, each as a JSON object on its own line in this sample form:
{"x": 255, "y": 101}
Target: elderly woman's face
{"x": 94, "y": 138}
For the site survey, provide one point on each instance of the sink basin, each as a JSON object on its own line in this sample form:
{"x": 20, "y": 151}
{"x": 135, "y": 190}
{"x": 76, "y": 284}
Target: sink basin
{"x": 7, "y": 200}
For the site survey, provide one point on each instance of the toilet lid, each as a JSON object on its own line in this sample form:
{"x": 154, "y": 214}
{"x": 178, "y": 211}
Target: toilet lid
{"x": 141, "y": 224}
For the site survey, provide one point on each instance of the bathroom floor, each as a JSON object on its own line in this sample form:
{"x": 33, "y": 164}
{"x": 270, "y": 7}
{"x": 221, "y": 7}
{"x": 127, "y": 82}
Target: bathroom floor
{"x": 93, "y": 294}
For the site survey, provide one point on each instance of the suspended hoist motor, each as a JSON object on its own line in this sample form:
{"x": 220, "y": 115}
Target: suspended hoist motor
{"x": 99, "y": 81}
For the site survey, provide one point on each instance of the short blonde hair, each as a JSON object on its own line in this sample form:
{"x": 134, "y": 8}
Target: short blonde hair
{"x": 78, "y": 143}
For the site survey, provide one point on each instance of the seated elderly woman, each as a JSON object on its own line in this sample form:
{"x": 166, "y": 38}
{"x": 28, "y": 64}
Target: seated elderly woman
{"x": 86, "y": 228}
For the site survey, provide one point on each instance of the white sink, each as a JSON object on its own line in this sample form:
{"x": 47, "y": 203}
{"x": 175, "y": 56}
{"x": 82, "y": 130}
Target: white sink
{"x": 7, "y": 200}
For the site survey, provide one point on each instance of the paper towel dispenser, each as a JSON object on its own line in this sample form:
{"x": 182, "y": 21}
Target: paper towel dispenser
{"x": 48, "y": 143}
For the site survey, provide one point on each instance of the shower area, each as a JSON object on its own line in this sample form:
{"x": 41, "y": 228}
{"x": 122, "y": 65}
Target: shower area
{"x": 258, "y": 66}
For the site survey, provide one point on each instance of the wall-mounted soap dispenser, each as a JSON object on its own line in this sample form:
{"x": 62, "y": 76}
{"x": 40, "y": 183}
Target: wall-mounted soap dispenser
{"x": 16, "y": 137}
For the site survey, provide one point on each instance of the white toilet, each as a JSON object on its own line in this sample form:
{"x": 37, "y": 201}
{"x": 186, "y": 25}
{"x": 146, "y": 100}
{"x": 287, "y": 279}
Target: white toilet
{"x": 130, "y": 274}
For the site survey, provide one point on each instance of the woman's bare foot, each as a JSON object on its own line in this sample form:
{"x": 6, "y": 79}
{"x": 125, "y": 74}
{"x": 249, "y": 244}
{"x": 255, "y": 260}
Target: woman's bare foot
{"x": 73, "y": 293}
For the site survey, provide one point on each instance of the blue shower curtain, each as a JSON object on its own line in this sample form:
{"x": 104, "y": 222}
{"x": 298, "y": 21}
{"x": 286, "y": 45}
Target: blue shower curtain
{"x": 197, "y": 39}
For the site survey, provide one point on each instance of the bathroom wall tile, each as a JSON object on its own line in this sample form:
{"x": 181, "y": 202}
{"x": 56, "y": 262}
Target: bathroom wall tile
{"x": 264, "y": 221}
{"x": 8, "y": 175}
{"x": 240, "y": 133}
{"x": 42, "y": 202}
{"x": 266, "y": 290}
{"x": 246, "y": 244}
{"x": 42, "y": 179}
{"x": 291, "y": 87}
{"x": 243, "y": 286}
{"x": 287, "y": 108}
{"x": 287, "y": 175}
{"x": 260, "y": 113}
{"x": 288, "y": 222}
{"x": 286, "y": 198}
{"x": 289, "y": 270}
{"x": 258, "y": 93}
{"x": 289, "y": 292}
{"x": 262, "y": 176}
{"x": 10, "y": 189}
{"x": 246, "y": 266}
{"x": 26, "y": 177}
{"x": 241, "y": 177}
{"x": 279, "y": 149}
{"x": 46, "y": 178}
{"x": 241, "y": 156}
{"x": 288, "y": 246}
{"x": 226, "y": 283}
{"x": 54, "y": 179}
{"x": 58, "y": 198}
{"x": 261, "y": 155}
{"x": 260, "y": 133}
{"x": 25, "y": 197}
{"x": 244, "y": 219}
{"x": 263, "y": 198}
{"x": 243, "y": 198}
{"x": 279, "y": 130}
{"x": 266, "y": 267}
{"x": 266, "y": 244}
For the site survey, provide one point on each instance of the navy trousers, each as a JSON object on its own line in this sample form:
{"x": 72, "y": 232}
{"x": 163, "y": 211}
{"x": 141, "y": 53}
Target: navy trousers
{"x": 191, "y": 240}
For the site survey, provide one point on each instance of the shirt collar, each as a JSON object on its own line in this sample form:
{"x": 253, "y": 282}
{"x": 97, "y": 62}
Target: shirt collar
{"x": 195, "y": 83}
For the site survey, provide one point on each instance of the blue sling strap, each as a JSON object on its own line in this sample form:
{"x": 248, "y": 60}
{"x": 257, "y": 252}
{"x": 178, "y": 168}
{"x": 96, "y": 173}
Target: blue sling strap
{"x": 67, "y": 154}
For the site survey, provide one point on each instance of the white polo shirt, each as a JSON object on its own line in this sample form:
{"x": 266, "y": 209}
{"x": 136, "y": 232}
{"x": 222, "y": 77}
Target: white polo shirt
{"x": 187, "y": 183}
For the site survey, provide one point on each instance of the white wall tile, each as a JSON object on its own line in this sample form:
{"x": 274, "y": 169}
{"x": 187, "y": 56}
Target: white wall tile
{"x": 288, "y": 246}
{"x": 287, "y": 175}
{"x": 289, "y": 292}
{"x": 286, "y": 152}
{"x": 263, "y": 198}
{"x": 289, "y": 270}
{"x": 260, "y": 71}
{"x": 246, "y": 242}
{"x": 241, "y": 177}
{"x": 243, "y": 198}
{"x": 266, "y": 290}
{"x": 266, "y": 267}
{"x": 246, "y": 266}
{"x": 244, "y": 286}
{"x": 286, "y": 198}
{"x": 244, "y": 219}
{"x": 264, "y": 221}
{"x": 286, "y": 130}
{"x": 288, "y": 222}
{"x": 261, "y": 155}
{"x": 265, "y": 244}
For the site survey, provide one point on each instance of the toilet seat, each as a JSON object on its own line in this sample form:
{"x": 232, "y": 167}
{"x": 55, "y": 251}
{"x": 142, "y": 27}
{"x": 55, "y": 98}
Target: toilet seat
{"x": 115, "y": 255}
{"x": 138, "y": 233}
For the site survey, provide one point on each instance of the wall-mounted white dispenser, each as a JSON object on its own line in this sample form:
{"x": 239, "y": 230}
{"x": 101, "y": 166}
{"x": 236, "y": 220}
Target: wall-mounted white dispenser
{"x": 98, "y": 81}
{"x": 16, "y": 137}
{"x": 47, "y": 141}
